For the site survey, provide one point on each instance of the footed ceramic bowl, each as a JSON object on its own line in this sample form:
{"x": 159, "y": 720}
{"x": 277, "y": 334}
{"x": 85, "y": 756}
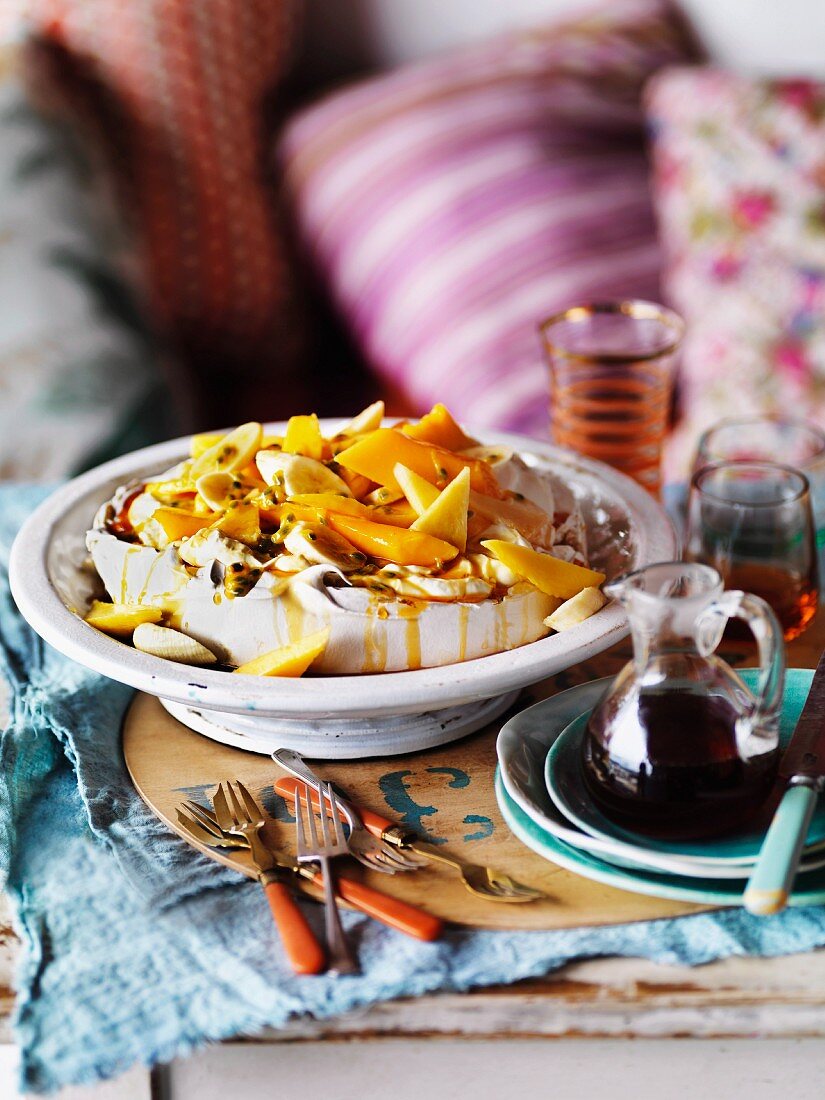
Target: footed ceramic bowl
{"x": 332, "y": 717}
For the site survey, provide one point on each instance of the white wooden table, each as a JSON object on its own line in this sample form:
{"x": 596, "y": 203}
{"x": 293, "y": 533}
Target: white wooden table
{"x": 616, "y": 1020}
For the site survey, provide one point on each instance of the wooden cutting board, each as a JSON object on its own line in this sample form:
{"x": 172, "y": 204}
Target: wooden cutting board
{"x": 445, "y": 794}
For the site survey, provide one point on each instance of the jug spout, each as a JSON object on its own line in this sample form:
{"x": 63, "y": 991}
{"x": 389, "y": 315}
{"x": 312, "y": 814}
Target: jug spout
{"x": 667, "y": 597}
{"x": 665, "y": 601}
{"x": 667, "y": 580}
{"x": 619, "y": 589}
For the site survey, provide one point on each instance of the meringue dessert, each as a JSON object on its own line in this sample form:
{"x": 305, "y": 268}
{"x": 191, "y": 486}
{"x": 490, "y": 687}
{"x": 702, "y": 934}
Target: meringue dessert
{"x": 377, "y": 549}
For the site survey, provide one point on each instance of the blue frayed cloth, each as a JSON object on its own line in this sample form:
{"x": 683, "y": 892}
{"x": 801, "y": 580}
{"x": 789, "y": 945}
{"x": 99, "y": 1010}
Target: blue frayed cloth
{"x": 137, "y": 949}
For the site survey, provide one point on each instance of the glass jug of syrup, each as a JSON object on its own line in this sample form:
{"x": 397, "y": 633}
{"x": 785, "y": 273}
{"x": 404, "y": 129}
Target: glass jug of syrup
{"x": 679, "y": 747}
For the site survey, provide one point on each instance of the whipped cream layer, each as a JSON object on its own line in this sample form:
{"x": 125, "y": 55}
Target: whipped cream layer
{"x": 371, "y": 630}
{"x": 369, "y": 633}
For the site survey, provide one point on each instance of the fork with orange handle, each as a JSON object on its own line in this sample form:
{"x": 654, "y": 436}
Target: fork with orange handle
{"x": 202, "y": 824}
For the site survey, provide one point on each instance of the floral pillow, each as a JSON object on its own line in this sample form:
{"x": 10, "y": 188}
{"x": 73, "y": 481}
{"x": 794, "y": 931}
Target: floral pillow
{"x": 739, "y": 172}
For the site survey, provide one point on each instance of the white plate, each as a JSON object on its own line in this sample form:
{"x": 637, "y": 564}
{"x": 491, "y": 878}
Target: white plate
{"x": 627, "y": 528}
{"x": 523, "y": 746}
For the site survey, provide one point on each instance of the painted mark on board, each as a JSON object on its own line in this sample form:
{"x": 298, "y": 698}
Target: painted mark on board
{"x": 398, "y": 794}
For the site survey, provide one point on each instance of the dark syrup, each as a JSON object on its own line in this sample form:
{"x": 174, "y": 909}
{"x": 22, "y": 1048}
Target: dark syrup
{"x": 685, "y": 779}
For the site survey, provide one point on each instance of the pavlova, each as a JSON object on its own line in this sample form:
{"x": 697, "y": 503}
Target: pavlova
{"x": 375, "y": 549}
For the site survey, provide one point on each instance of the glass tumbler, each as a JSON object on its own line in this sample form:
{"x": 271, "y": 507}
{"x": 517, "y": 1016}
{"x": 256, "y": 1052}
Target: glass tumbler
{"x": 796, "y": 443}
{"x": 612, "y": 367}
{"x": 752, "y": 521}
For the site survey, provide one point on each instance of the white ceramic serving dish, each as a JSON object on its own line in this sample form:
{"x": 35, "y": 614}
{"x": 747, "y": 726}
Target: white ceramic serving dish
{"x": 335, "y": 717}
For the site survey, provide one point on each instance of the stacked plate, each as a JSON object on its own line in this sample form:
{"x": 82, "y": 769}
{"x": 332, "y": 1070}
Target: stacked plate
{"x": 543, "y": 799}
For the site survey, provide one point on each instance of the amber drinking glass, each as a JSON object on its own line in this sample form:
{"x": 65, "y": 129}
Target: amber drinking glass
{"x": 752, "y": 522}
{"x": 611, "y": 379}
{"x": 790, "y": 442}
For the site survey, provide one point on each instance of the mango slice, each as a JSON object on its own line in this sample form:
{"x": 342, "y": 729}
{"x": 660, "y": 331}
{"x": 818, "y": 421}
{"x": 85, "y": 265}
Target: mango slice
{"x": 241, "y": 521}
{"x": 418, "y": 491}
{"x": 121, "y": 619}
{"x": 376, "y": 454}
{"x": 446, "y": 517}
{"x": 548, "y": 574}
{"x": 289, "y": 660}
{"x": 332, "y": 502}
{"x": 179, "y": 524}
{"x": 303, "y": 437}
{"x": 400, "y": 514}
{"x": 438, "y": 427}
{"x": 231, "y": 452}
{"x": 397, "y": 514}
{"x": 380, "y": 540}
{"x": 176, "y": 489}
{"x": 357, "y": 484}
{"x": 251, "y": 474}
{"x": 314, "y": 508}
{"x": 289, "y": 513}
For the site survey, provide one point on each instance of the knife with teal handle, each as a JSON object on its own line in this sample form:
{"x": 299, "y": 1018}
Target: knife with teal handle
{"x": 803, "y": 765}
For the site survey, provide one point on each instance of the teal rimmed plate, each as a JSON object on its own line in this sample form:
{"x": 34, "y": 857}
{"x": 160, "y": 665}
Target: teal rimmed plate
{"x": 739, "y": 850}
{"x": 522, "y": 748}
{"x": 698, "y": 890}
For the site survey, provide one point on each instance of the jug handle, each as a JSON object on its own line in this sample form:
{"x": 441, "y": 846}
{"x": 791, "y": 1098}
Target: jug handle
{"x": 770, "y": 642}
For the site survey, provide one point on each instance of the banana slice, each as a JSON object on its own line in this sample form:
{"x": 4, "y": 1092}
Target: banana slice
{"x": 220, "y": 489}
{"x": 576, "y": 609}
{"x": 366, "y": 421}
{"x": 298, "y": 474}
{"x": 210, "y": 545}
{"x": 287, "y": 563}
{"x": 493, "y": 570}
{"x": 322, "y": 546}
{"x": 231, "y": 452}
{"x": 162, "y": 641}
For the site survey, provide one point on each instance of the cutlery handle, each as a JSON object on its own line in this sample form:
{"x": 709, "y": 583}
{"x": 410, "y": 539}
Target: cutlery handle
{"x": 390, "y": 911}
{"x": 775, "y": 870}
{"x": 303, "y": 950}
{"x": 376, "y": 824}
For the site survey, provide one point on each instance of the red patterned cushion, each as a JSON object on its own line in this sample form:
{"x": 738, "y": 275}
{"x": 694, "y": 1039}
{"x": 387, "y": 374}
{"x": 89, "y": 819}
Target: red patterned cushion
{"x": 177, "y": 91}
{"x": 451, "y": 205}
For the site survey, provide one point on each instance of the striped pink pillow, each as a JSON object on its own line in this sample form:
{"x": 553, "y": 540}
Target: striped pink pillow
{"x": 450, "y": 205}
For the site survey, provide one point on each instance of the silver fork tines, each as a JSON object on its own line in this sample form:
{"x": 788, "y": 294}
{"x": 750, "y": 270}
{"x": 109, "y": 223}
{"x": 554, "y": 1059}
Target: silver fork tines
{"x": 373, "y": 852}
{"x": 341, "y": 959}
